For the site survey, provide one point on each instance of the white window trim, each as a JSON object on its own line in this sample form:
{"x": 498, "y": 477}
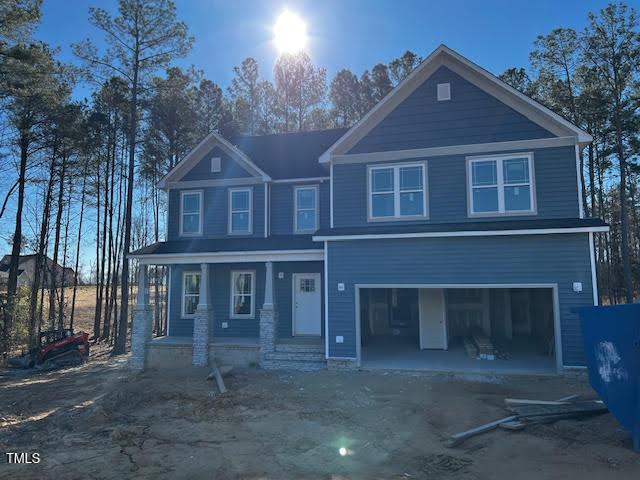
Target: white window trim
{"x": 499, "y": 159}
{"x": 183, "y": 314}
{"x": 396, "y": 192}
{"x": 200, "y": 204}
{"x": 235, "y": 273}
{"x": 315, "y": 207}
{"x": 229, "y": 212}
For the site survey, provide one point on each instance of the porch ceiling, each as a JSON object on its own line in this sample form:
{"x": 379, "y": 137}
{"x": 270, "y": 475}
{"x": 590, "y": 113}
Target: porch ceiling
{"x": 232, "y": 250}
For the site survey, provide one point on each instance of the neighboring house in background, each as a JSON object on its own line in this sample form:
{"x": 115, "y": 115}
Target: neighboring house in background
{"x": 447, "y": 222}
{"x": 26, "y": 269}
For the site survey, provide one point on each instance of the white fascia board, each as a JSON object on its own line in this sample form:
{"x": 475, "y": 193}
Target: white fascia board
{"x": 472, "y": 148}
{"x": 231, "y": 257}
{"x": 301, "y": 180}
{"x": 443, "y": 55}
{"x": 471, "y": 233}
{"x": 196, "y": 154}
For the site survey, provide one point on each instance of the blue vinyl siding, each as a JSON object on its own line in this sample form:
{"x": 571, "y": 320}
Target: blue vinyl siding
{"x": 558, "y": 259}
{"x": 229, "y": 168}
{"x": 216, "y": 211}
{"x": 556, "y": 189}
{"x": 282, "y": 204}
{"x": 220, "y": 294}
{"x": 471, "y": 116}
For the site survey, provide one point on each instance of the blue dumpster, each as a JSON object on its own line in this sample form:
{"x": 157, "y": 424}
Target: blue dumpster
{"x": 612, "y": 349}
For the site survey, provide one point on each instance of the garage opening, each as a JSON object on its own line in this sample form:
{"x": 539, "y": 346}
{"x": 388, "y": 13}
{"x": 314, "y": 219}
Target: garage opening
{"x": 501, "y": 330}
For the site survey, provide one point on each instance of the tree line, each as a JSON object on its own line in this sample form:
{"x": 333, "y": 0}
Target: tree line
{"x": 83, "y": 173}
{"x": 592, "y": 78}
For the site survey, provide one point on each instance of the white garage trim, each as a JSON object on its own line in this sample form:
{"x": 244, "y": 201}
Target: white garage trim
{"x": 552, "y": 286}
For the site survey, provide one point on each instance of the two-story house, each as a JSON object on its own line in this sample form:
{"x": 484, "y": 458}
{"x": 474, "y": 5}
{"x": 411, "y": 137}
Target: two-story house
{"x": 445, "y": 226}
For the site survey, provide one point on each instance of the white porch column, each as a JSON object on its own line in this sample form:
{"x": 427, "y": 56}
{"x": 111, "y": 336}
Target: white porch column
{"x": 268, "y": 286}
{"x": 201, "y": 321}
{"x": 141, "y": 333}
{"x": 268, "y": 316}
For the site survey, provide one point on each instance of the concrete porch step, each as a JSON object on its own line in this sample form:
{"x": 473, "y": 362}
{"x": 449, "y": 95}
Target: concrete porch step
{"x": 295, "y": 357}
{"x": 300, "y": 347}
{"x": 304, "y": 366}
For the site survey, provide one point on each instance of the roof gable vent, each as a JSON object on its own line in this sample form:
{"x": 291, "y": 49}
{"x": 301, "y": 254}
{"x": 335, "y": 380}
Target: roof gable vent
{"x": 444, "y": 91}
{"x": 216, "y": 166}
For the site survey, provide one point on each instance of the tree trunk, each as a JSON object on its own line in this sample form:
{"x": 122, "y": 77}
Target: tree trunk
{"x": 96, "y": 315}
{"x": 12, "y": 281}
{"x": 64, "y": 259}
{"x": 592, "y": 180}
{"x": 56, "y": 245}
{"x": 121, "y": 341}
{"x": 77, "y": 262}
{"x": 624, "y": 216}
{"x": 40, "y": 254}
{"x": 103, "y": 249}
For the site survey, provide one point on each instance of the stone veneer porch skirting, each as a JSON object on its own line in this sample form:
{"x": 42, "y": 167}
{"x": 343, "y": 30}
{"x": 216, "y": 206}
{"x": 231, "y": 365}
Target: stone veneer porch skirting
{"x": 177, "y": 352}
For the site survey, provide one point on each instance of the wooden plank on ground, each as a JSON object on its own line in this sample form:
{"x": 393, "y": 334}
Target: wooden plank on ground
{"x": 458, "y": 438}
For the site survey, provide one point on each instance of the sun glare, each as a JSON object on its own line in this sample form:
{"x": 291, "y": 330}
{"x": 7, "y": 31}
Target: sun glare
{"x": 290, "y": 33}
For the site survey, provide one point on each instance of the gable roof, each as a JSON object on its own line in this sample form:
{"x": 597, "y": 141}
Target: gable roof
{"x": 290, "y": 155}
{"x": 195, "y": 155}
{"x": 471, "y": 72}
{"x": 5, "y": 262}
{"x": 270, "y": 157}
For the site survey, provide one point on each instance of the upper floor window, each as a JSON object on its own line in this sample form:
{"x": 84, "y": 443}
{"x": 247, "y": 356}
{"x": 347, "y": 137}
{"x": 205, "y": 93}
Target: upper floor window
{"x": 501, "y": 185}
{"x": 397, "y": 191}
{"x": 243, "y": 288}
{"x": 240, "y": 211}
{"x": 306, "y": 208}
{"x": 191, "y": 212}
{"x": 190, "y": 293}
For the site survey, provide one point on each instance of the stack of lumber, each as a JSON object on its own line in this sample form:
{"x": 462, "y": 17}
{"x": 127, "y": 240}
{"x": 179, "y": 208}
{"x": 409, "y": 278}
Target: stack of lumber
{"x": 470, "y": 347}
{"x": 486, "y": 351}
{"x": 528, "y": 412}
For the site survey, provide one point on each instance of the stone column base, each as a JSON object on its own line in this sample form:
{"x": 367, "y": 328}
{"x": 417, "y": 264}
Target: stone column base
{"x": 342, "y": 363}
{"x": 140, "y": 335}
{"x": 201, "y": 321}
{"x": 268, "y": 331}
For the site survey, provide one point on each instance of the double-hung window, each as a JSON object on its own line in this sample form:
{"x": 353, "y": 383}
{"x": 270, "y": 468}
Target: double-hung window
{"x": 243, "y": 294}
{"x": 190, "y": 293}
{"x": 191, "y": 212}
{"x": 501, "y": 185}
{"x": 240, "y": 211}
{"x": 397, "y": 192}
{"x": 306, "y": 208}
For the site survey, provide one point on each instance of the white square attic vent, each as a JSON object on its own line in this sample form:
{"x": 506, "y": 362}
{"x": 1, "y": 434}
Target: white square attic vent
{"x": 444, "y": 91}
{"x": 216, "y": 164}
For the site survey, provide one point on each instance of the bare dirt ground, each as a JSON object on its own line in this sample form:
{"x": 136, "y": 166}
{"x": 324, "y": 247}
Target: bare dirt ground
{"x": 102, "y": 421}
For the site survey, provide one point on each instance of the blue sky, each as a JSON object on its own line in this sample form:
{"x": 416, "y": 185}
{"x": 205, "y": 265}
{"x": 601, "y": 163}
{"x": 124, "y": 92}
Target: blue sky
{"x": 352, "y": 34}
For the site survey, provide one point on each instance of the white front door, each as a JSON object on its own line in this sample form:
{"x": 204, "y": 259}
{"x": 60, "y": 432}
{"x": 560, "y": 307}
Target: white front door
{"x": 306, "y": 304}
{"x": 433, "y": 326}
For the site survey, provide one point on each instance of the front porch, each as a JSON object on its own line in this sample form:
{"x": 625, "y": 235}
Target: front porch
{"x": 176, "y": 352}
{"x": 267, "y": 314}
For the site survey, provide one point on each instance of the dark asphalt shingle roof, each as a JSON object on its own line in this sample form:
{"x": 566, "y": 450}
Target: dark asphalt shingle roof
{"x": 289, "y": 155}
{"x": 533, "y": 224}
{"x": 213, "y": 245}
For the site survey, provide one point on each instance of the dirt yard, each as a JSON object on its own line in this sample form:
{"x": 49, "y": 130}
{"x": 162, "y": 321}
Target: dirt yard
{"x": 101, "y": 421}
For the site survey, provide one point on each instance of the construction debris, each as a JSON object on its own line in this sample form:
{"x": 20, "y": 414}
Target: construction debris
{"x": 217, "y": 373}
{"x": 530, "y": 412}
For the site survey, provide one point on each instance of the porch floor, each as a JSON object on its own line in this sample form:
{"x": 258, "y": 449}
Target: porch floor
{"x": 214, "y": 341}
{"x": 300, "y": 340}
{"x": 402, "y": 357}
